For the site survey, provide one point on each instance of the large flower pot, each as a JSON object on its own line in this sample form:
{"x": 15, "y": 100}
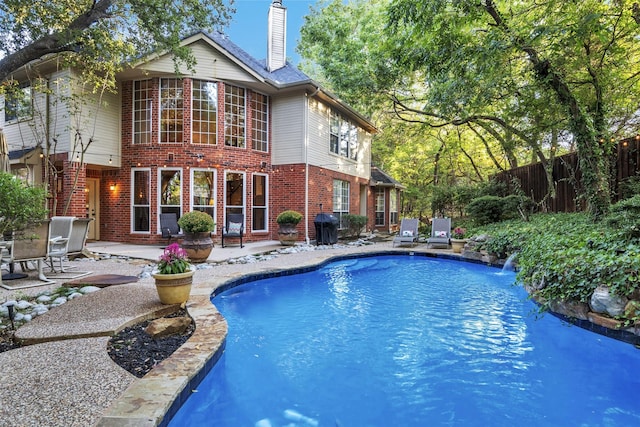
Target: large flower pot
{"x": 458, "y": 244}
{"x": 288, "y": 234}
{"x": 197, "y": 245}
{"x": 174, "y": 288}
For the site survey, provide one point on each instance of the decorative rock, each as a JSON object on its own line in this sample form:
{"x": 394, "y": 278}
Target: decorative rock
{"x": 18, "y": 317}
{"x": 632, "y": 309}
{"x": 75, "y": 295}
{"x": 59, "y": 301}
{"x": 604, "y": 321}
{"x": 167, "y": 326}
{"x": 43, "y": 298}
{"x": 27, "y": 318}
{"x": 603, "y": 301}
{"x": 88, "y": 289}
{"x": 39, "y": 309}
{"x": 572, "y": 309}
{"x": 22, "y": 304}
{"x": 10, "y": 302}
{"x": 4, "y": 311}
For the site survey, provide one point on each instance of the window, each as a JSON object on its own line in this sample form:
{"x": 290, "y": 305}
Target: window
{"x": 259, "y": 212}
{"x": 203, "y": 191}
{"x": 234, "y": 116}
{"x": 234, "y": 193}
{"x": 393, "y": 207}
{"x": 380, "y": 206}
{"x": 142, "y": 111}
{"x": 340, "y": 200}
{"x": 171, "y": 110}
{"x": 343, "y": 137}
{"x": 140, "y": 210}
{"x": 259, "y": 122}
{"x": 204, "y": 112}
{"x": 170, "y": 191}
{"x": 18, "y": 103}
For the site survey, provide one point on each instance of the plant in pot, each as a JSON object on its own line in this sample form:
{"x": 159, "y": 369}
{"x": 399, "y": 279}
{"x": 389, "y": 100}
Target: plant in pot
{"x": 174, "y": 275}
{"x": 287, "y": 232}
{"x": 458, "y": 239}
{"x": 197, "y": 227}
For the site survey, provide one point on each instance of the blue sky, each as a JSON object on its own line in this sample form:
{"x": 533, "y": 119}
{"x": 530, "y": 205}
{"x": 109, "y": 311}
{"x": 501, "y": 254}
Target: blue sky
{"x": 248, "y": 28}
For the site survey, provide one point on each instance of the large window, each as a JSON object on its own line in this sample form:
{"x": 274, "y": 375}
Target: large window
{"x": 234, "y": 116}
{"x": 203, "y": 191}
{"x": 142, "y": 111}
{"x": 171, "y": 110}
{"x": 340, "y": 201}
{"x": 170, "y": 191}
{"x": 204, "y": 114}
{"x": 259, "y": 212}
{"x": 343, "y": 137}
{"x": 140, "y": 201}
{"x": 259, "y": 122}
{"x": 234, "y": 193}
{"x": 393, "y": 207}
{"x": 18, "y": 103}
{"x": 380, "y": 206}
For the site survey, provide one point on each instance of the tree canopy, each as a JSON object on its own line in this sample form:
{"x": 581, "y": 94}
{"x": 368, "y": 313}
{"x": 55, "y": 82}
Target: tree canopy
{"x": 522, "y": 80}
{"x": 101, "y": 35}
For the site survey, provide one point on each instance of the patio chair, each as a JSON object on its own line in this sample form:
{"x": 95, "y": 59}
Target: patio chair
{"x": 440, "y": 233}
{"x": 233, "y": 228}
{"x": 169, "y": 227}
{"x": 408, "y": 233}
{"x": 60, "y": 232}
{"x": 29, "y": 245}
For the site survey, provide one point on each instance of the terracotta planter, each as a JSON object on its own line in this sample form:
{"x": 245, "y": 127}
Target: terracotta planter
{"x": 458, "y": 244}
{"x": 197, "y": 245}
{"x": 288, "y": 234}
{"x": 174, "y": 288}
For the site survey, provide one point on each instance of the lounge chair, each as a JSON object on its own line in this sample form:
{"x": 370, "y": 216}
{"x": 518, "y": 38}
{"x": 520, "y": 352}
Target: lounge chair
{"x": 233, "y": 228}
{"x": 440, "y": 233}
{"x": 169, "y": 227}
{"x": 60, "y": 232}
{"x": 29, "y": 245}
{"x": 408, "y": 233}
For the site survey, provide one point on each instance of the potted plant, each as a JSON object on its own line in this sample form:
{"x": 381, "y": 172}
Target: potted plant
{"x": 174, "y": 275}
{"x": 458, "y": 239}
{"x": 287, "y": 232}
{"x": 197, "y": 227}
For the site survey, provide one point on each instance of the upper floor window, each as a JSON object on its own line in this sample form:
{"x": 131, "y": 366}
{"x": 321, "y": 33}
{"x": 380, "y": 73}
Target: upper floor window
{"x": 234, "y": 116}
{"x": 204, "y": 114}
{"x": 171, "y": 110}
{"x": 343, "y": 137}
{"x": 142, "y": 111}
{"x": 18, "y": 103}
{"x": 259, "y": 122}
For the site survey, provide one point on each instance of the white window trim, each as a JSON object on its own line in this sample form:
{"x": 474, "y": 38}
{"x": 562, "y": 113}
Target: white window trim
{"x": 266, "y": 206}
{"x": 215, "y": 191}
{"x": 133, "y": 204}
{"x": 159, "y": 189}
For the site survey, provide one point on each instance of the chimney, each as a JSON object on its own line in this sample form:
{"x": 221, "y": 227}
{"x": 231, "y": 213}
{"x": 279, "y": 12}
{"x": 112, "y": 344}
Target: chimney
{"x": 277, "y": 37}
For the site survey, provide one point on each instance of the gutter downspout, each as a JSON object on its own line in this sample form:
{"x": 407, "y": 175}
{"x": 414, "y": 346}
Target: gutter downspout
{"x": 306, "y": 162}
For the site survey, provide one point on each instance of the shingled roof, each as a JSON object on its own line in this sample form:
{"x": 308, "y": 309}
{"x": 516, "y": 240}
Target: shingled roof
{"x": 382, "y": 179}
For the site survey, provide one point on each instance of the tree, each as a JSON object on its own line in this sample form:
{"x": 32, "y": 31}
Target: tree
{"x": 21, "y": 206}
{"x": 530, "y": 77}
{"x": 101, "y": 35}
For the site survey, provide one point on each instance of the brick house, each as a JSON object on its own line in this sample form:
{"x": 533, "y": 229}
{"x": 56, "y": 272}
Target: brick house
{"x": 235, "y": 135}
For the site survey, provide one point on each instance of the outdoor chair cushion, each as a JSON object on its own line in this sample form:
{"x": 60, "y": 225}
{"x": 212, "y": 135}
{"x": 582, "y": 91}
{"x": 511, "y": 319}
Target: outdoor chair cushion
{"x": 440, "y": 234}
{"x": 234, "y": 228}
{"x": 407, "y": 233}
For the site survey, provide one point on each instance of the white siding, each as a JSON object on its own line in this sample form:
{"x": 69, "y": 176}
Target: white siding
{"x": 287, "y": 124}
{"x": 210, "y": 64}
{"x": 319, "y": 154}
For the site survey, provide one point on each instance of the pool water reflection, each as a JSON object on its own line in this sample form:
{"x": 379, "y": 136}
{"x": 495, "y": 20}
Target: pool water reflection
{"x": 407, "y": 341}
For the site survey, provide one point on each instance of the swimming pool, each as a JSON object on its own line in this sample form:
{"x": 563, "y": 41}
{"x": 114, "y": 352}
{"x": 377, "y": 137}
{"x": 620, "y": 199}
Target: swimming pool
{"x": 407, "y": 341}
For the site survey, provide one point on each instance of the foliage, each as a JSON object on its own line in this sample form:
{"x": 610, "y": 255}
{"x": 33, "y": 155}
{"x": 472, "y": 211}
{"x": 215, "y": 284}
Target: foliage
{"x": 630, "y": 187}
{"x": 174, "y": 260}
{"x": 355, "y": 224}
{"x": 459, "y": 233}
{"x": 21, "y": 206}
{"x": 517, "y": 206}
{"x": 196, "y": 222}
{"x": 102, "y": 36}
{"x": 625, "y": 217}
{"x": 289, "y": 217}
{"x": 485, "y": 210}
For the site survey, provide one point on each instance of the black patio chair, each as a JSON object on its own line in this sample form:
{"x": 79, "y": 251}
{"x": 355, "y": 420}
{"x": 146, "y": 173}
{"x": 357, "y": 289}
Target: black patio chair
{"x": 169, "y": 227}
{"x": 233, "y": 228}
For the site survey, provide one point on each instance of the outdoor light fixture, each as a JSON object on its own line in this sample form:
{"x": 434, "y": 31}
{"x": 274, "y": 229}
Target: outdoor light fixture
{"x": 112, "y": 187}
{"x": 12, "y": 314}
{"x": 110, "y": 159}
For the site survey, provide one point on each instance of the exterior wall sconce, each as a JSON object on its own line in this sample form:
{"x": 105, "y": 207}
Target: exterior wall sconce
{"x": 112, "y": 187}
{"x": 110, "y": 159}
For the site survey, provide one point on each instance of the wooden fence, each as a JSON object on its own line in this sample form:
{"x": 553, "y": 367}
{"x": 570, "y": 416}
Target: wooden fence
{"x": 567, "y": 178}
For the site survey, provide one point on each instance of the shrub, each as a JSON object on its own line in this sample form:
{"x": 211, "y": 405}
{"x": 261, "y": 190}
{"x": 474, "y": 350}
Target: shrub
{"x": 196, "y": 222}
{"x": 517, "y": 206}
{"x": 21, "y": 206}
{"x": 485, "y": 210}
{"x": 625, "y": 217}
{"x": 289, "y": 217}
{"x": 355, "y": 224}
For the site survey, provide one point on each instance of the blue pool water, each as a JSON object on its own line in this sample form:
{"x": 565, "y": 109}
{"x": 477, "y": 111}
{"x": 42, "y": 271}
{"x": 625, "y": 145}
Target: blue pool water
{"x": 408, "y": 341}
